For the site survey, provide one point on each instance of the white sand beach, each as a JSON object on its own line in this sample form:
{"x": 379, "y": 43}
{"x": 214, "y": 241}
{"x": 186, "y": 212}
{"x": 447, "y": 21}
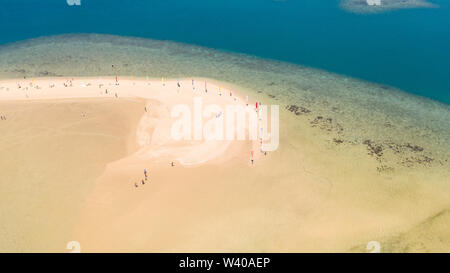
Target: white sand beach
{"x": 143, "y": 143}
{"x": 74, "y": 151}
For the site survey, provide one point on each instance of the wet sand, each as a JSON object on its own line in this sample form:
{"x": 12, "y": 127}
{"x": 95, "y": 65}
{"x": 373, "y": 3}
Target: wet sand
{"x": 50, "y": 158}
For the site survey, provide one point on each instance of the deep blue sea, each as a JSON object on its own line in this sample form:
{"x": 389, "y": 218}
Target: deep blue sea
{"x": 408, "y": 49}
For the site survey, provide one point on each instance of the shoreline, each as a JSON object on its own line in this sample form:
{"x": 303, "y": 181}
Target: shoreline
{"x": 94, "y": 38}
{"x": 353, "y": 165}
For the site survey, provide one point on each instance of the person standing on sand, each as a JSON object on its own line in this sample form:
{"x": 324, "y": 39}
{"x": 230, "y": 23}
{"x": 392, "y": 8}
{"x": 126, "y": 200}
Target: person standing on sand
{"x": 142, "y": 181}
{"x": 135, "y": 185}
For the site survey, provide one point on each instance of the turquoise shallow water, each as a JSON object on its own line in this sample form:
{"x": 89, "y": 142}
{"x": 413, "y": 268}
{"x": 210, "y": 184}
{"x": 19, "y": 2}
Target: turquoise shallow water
{"x": 283, "y": 52}
{"x": 348, "y": 111}
{"x": 407, "y": 49}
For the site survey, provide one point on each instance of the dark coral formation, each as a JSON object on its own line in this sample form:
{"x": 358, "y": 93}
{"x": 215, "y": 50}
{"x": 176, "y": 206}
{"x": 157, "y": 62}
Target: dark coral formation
{"x": 373, "y": 148}
{"x": 327, "y": 124}
{"x": 407, "y": 154}
{"x": 297, "y": 110}
{"x": 384, "y": 168}
{"x": 389, "y": 154}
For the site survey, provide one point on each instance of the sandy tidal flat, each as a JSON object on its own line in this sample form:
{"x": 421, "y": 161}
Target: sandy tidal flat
{"x": 75, "y": 156}
{"x": 132, "y": 136}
